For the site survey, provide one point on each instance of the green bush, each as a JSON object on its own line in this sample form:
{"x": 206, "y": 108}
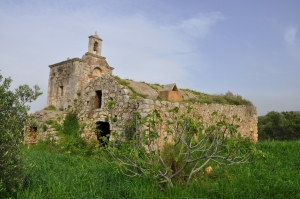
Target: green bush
{"x": 49, "y": 122}
{"x": 45, "y": 127}
{"x": 279, "y": 126}
{"x": 13, "y": 117}
{"x": 172, "y": 150}
{"x": 176, "y": 163}
{"x": 71, "y": 124}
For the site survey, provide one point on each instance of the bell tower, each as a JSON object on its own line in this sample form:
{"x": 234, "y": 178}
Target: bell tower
{"x": 95, "y": 44}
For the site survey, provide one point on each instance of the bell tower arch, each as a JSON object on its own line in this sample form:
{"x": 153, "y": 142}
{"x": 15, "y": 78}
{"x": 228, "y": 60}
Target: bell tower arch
{"x": 95, "y": 44}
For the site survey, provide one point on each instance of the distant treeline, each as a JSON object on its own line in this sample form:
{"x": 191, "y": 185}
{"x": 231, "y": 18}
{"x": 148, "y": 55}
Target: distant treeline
{"x": 279, "y": 126}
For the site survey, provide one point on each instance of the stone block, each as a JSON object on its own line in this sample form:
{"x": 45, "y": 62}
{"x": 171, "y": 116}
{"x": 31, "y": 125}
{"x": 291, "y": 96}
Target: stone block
{"x": 98, "y": 87}
{"x": 126, "y": 98}
{"x": 146, "y": 110}
{"x": 124, "y": 92}
{"x": 92, "y": 94}
{"x": 144, "y": 106}
{"x": 147, "y": 101}
{"x": 157, "y": 103}
{"x": 176, "y": 104}
{"x": 143, "y": 115}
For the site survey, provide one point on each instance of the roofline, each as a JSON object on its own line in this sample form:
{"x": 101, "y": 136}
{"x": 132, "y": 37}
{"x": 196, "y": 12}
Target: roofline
{"x": 66, "y": 61}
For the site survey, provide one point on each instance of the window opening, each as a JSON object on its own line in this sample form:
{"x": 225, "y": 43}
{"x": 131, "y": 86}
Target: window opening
{"x": 95, "y": 47}
{"x": 61, "y": 91}
{"x": 32, "y": 129}
{"x": 103, "y": 132}
{"x": 98, "y": 99}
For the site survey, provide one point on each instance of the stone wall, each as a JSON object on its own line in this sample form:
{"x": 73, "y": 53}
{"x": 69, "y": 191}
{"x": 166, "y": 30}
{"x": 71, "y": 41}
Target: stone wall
{"x": 124, "y": 108}
{"x": 39, "y": 129}
{"x": 246, "y": 114}
{"x": 118, "y": 109}
{"x": 116, "y": 106}
{"x": 67, "y": 78}
{"x": 105, "y": 100}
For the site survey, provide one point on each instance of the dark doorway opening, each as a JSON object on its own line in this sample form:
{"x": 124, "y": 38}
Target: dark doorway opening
{"x": 32, "y": 131}
{"x": 98, "y": 99}
{"x": 103, "y": 132}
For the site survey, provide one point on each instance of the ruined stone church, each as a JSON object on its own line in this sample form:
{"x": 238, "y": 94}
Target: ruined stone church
{"x": 90, "y": 79}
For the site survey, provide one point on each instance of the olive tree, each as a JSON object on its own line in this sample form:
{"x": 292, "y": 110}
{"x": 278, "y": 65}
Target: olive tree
{"x": 13, "y": 116}
{"x": 174, "y": 148}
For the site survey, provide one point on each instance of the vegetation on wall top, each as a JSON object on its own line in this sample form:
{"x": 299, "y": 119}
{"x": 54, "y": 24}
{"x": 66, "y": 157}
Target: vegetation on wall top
{"x": 227, "y": 98}
{"x": 125, "y": 83}
{"x": 190, "y": 95}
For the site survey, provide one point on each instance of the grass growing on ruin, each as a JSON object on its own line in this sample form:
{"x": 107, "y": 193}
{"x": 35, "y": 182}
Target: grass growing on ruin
{"x": 57, "y": 175}
{"x": 134, "y": 94}
{"x": 227, "y": 98}
{"x": 50, "y": 108}
{"x": 199, "y": 97}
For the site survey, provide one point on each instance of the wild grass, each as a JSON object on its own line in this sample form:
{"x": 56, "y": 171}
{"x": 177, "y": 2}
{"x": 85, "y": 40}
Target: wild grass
{"x": 227, "y": 98}
{"x": 134, "y": 94}
{"x": 55, "y": 175}
{"x": 50, "y": 108}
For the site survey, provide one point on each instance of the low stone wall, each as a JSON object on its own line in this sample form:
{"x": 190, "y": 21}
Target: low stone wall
{"x": 246, "y": 114}
{"x": 38, "y": 129}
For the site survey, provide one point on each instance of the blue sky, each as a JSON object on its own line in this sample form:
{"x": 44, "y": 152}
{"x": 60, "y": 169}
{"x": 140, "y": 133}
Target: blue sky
{"x": 250, "y": 48}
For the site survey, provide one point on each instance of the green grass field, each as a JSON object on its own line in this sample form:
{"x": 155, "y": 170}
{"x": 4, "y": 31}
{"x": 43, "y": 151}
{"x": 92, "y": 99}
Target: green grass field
{"x": 55, "y": 175}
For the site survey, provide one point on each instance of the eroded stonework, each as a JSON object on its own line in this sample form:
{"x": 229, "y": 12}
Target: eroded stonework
{"x": 67, "y": 78}
{"x": 124, "y": 107}
{"x": 111, "y": 103}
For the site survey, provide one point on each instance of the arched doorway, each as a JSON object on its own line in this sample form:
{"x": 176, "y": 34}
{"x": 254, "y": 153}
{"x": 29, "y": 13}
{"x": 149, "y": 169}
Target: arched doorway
{"x": 103, "y": 132}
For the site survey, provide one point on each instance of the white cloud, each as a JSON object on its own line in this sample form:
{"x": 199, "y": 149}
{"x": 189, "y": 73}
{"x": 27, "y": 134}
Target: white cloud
{"x": 200, "y": 25}
{"x": 291, "y": 40}
{"x": 290, "y": 35}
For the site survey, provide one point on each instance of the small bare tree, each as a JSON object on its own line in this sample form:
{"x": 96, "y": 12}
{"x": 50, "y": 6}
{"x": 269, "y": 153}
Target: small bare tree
{"x": 180, "y": 145}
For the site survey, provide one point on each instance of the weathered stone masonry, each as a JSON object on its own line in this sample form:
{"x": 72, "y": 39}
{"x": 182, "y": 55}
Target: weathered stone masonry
{"x": 90, "y": 79}
{"x": 125, "y": 107}
{"x": 67, "y": 78}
